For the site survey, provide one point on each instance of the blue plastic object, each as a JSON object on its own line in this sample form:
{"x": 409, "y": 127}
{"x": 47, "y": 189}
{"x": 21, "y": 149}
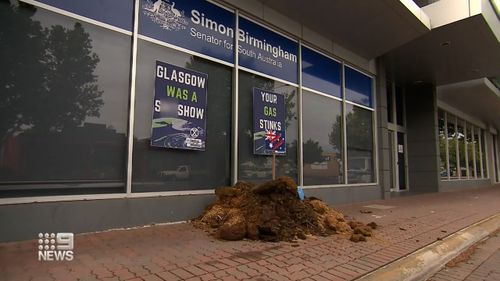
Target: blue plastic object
{"x": 300, "y": 192}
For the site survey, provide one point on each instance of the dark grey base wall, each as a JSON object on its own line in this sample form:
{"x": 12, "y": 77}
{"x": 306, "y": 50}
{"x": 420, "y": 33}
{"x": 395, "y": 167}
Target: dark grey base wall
{"x": 343, "y": 195}
{"x": 465, "y": 184}
{"x": 25, "y": 221}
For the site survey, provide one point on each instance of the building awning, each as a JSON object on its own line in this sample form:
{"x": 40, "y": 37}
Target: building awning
{"x": 478, "y": 98}
{"x": 368, "y": 28}
{"x": 462, "y": 45}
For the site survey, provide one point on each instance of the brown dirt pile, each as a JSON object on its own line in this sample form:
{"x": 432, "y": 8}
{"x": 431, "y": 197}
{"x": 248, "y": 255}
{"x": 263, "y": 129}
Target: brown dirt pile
{"x": 273, "y": 212}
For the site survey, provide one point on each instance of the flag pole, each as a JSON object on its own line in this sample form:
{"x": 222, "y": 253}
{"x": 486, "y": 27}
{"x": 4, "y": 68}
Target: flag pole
{"x": 274, "y": 164}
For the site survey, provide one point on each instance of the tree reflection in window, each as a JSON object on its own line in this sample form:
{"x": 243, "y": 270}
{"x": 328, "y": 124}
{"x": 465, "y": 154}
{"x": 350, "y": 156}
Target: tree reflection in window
{"x": 47, "y": 76}
{"x": 49, "y": 88}
{"x": 359, "y": 134}
{"x": 322, "y": 119}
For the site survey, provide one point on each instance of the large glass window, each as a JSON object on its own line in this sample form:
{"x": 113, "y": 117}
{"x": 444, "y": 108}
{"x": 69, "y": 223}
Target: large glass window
{"x": 322, "y": 123}
{"x": 359, "y": 144}
{"x": 358, "y": 87}
{"x": 399, "y": 106}
{"x": 443, "y": 167}
{"x": 466, "y": 152}
{"x": 477, "y": 153}
{"x": 483, "y": 154}
{"x": 469, "y": 145}
{"x": 321, "y": 73}
{"x": 63, "y": 103}
{"x": 65, "y": 95}
{"x": 390, "y": 106}
{"x": 258, "y": 168}
{"x": 452, "y": 147}
{"x": 118, "y": 13}
{"x": 161, "y": 169}
{"x": 462, "y": 146}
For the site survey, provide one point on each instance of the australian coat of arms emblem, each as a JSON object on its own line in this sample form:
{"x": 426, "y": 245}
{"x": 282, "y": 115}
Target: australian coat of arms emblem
{"x": 165, "y": 14}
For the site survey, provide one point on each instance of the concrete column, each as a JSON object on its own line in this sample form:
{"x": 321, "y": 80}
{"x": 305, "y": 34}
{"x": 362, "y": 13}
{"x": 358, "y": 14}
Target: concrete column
{"x": 422, "y": 137}
{"x": 382, "y": 131}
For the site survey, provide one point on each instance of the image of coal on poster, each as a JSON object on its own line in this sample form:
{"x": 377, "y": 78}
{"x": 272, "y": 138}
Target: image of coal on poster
{"x": 269, "y": 122}
{"x": 179, "y": 108}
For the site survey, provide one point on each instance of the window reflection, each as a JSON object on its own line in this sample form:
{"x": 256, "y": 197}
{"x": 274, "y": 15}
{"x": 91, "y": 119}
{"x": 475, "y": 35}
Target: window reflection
{"x": 161, "y": 169}
{"x": 465, "y": 147}
{"x": 400, "y": 106}
{"x": 258, "y": 168}
{"x": 321, "y": 73}
{"x": 470, "y": 152}
{"x": 358, "y": 87}
{"x": 462, "y": 146}
{"x": 359, "y": 144}
{"x": 452, "y": 146}
{"x": 442, "y": 145}
{"x": 63, "y": 108}
{"x": 322, "y": 119}
{"x": 483, "y": 154}
{"x": 477, "y": 153}
{"x": 390, "y": 106}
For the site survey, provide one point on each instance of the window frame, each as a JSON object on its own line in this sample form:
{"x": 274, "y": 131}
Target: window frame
{"x": 134, "y": 34}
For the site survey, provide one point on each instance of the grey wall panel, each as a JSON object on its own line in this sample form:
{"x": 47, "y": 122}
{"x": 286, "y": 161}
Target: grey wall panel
{"x": 25, "y": 221}
{"x": 463, "y": 184}
{"x": 423, "y": 148}
{"x": 382, "y": 131}
{"x": 422, "y": 182}
{"x": 384, "y": 158}
{"x": 342, "y": 195}
{"x": 422, "y": 162}
{"x": 421, "y": 125}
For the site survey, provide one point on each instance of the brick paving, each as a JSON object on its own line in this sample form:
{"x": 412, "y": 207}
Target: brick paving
{"x": 181, "y": 252}
{"x": 484, "y": 264}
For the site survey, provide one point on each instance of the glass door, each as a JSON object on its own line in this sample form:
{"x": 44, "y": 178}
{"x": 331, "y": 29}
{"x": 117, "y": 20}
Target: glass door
{"x": 392, "y": 162}
{"x": 401, "y": 161}
{"x": 397, "y": 161}
{"x": 396, "y": 121}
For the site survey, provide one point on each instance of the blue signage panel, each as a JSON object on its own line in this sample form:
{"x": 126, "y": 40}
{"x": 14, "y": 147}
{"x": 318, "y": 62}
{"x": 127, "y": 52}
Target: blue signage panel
{"x": 268, "y": 122}
{"x": 196, "y": 25}
{"x": 321, "y": 73}
{"x": 118, "y": 13}
{"x": 358, "y": 87}
{"x": 179, "y": 113}
{"x": 265, "y": 51}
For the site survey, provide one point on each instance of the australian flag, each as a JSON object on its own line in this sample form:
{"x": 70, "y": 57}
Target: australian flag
{"x": 275, "y": 141}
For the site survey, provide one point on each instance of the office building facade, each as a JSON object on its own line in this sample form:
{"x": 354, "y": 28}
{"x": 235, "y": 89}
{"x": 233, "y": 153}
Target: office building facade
{"x": 127, "y": 113}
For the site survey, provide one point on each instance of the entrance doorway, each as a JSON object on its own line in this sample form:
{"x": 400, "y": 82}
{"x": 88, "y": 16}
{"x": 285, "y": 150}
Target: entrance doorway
{"x": 398, "y": 161}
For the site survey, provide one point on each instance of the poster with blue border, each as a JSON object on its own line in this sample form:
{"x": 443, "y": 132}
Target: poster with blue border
{"x": 269, "y": 122}
{"x": 179, "y": 108}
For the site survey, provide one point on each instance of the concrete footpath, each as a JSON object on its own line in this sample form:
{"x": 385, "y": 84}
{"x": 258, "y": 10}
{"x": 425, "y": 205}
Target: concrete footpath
{"x": 181, "y": 252}
{"x": 483, "y": 263}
